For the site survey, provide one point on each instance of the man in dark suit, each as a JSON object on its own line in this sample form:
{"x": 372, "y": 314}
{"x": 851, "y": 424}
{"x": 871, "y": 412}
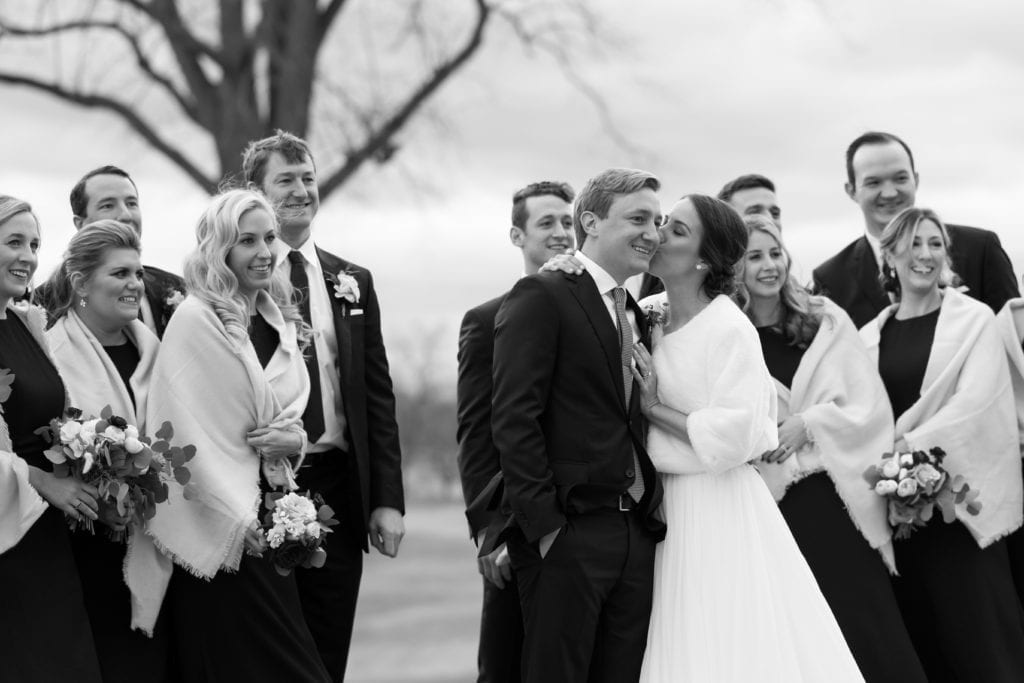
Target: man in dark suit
{"x": 353, "y": 459}
{"x": 109, "y": 192}
{"x": 567, "y": 425}
{"x": 882, "y": 180}
{"x": 753, "y": 194}
{"x": 541, "y": 228}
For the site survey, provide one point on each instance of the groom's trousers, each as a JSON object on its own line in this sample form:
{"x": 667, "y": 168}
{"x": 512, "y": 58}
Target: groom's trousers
{"x": 587, "y": 603}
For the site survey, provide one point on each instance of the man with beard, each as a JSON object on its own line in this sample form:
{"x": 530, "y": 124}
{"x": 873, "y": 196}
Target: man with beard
{"x": 541, "y": 228}
{"x": 883, "y": 181}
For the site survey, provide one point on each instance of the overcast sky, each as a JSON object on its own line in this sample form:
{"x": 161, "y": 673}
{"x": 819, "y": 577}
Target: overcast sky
{"x": 705, "y": 90}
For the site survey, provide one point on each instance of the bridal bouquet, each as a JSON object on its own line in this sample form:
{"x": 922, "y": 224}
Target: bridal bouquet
{"x": 130, "y": 470}
{"x": 914, "y": 483}
{"x": 294, "y": 527}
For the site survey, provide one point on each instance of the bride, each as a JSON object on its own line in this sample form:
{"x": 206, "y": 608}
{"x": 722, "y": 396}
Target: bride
{"x": 734, "y": 599}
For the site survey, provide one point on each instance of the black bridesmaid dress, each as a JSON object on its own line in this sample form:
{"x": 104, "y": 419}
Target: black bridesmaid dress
{"x": 44, "y": 630}
{"x": 958, "y": 601}
{"x": 125, "y": 656}
{"x": 850, "y": 573}
{"x": 245, "y": 625}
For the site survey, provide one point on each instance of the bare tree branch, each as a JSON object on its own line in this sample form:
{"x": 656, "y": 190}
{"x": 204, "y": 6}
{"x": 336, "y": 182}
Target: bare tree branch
{"x": 381, "y": 142}
{"x": 126, "y": 113}
{"x": 141, "y": 58}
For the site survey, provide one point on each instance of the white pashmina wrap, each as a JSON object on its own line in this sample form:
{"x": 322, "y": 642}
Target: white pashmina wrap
{"x": 840, "y": 396}
{"x": 214, "y": 392}
{"x": 1011, "y": 337}
{"x": 966, "y": 408}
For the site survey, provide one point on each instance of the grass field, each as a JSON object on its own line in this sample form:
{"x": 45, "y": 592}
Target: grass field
{"x": 419, "y": 613}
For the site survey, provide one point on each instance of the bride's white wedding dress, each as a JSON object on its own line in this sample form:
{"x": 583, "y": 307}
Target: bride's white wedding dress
{"x": 734, "y": 600}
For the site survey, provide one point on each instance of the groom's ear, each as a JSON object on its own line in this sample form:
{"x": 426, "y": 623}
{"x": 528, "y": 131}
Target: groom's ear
{"x": 588, "y": 221}
{"x": 516, "y": 236}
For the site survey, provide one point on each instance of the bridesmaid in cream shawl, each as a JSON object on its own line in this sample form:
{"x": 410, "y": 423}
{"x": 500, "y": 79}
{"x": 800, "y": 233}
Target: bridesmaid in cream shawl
{"x": 1011, "y": 329}
{"x": 944, "y": 368}
{"x": 42, "y": 603}
{"x": 105, "y": 355}
{"x": 231, "y": 379}
{"x": 834, "y": 422}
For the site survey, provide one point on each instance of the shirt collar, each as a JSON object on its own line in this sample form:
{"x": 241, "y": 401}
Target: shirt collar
{"x": 308, "y": 250}
{"x": 605, "y": 282}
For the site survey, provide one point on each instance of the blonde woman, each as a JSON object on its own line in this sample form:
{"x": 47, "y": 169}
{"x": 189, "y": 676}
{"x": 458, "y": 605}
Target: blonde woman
{"x": 231, "y": 379}
{"x": 945, "y": 372}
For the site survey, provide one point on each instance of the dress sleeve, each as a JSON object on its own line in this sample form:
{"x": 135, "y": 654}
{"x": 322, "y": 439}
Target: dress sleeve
{"x": 738, "y": 423}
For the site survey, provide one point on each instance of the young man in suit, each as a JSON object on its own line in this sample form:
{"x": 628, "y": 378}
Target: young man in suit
{"x": 882, "y": 179}
{"x": 567, "y": 425}
{"x": 753, "y": 194}
{"x": 109, "y": 192}
{"x": 353, "y": 458}
{"x": 541, "y": 228}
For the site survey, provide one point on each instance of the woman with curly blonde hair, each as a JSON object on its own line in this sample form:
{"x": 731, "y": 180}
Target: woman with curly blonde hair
{"x": 231, "y": 379}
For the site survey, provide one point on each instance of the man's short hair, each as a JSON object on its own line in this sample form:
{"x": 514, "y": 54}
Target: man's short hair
{"x": 873, "y": 137}
{"x": 601, "y": 191}
{"x": 744, "y": 182}
{"x": 294, "y": 149}
{"x": 80, "y": 200}
{"x": 554, "y": 188}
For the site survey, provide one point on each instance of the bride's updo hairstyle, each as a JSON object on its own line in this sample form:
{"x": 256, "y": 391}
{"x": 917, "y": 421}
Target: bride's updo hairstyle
{"x": 86, "y": 251}
{"x": 723, "y": 245}
{"x": 208, "y": 277}
{"x": 899, "y": 235}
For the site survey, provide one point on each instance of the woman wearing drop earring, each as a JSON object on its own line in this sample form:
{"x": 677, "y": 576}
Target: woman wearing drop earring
{"x": 44, "y": 630}
{"x": 944, "y": 369}
{"x": 105, "y": 355}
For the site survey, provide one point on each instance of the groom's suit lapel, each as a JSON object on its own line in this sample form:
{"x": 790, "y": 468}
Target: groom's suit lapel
{"x": 584, "y": 289}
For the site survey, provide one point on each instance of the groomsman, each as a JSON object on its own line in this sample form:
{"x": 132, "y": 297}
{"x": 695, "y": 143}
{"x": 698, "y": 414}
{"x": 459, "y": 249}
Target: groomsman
{"x": 882, "y": 180}
{"x": 109, "y": 192}
{"x": 567, "y": 425}
{"x": 752, "y": 195}
{"x": 541, "y": 228}
{"x": 353, "y": 459}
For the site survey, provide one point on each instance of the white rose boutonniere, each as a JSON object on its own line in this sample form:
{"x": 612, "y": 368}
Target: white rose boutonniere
{"x": 174, "y": 298}
{"x": 346, "y": 287}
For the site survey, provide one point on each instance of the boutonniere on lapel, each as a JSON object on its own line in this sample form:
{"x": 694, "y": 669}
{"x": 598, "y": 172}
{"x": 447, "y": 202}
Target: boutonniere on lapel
{"x": 172, "y": 298}
{"x": 346, "y": 288}
{"x": 6, "y": 380}
{"x": 657, "y": 316}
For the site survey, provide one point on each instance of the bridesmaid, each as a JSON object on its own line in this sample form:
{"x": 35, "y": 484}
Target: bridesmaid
{"x": 231, "y": 378}
{"x": 44, "y": 630}
{"x": 1011, "y": 328}
{"x": 945, "y": 372}
{"x": 834, "y": 422}
{"x": 105, "y": 355}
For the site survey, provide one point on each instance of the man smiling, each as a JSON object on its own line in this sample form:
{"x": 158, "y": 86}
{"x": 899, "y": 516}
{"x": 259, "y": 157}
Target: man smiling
{"x": 882, "y": 180}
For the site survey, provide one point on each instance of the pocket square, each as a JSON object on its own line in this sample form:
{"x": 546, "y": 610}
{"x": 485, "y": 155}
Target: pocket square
{"x": 356, "y": 311}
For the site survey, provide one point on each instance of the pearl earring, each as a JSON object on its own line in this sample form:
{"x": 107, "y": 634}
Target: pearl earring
{"x": 700, "y": 266}
{"x": 83, "y": 302}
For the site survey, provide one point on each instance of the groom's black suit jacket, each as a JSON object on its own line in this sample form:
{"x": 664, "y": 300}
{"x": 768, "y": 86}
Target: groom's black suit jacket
{"x": 563, "y": 432}
{"x": 366, "y": 390}
{"x": 850, "y": 278}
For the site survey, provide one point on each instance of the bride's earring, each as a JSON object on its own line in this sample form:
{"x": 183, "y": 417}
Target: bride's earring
{"x": 83, "y": 302}
{"x": 700, "y": 266}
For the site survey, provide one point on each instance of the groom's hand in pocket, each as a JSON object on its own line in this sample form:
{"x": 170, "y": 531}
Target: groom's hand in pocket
{"x": 546, "y": 541}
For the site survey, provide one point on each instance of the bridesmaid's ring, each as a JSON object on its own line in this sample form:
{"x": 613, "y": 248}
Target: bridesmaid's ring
{"x": 76, "y": 504}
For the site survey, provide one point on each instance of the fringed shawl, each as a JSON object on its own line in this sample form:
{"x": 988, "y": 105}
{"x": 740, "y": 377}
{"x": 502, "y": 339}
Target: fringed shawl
{"x": 712, "y": 370}
{"x": 1011, "y": 342}
{"x": 840, "y": 396}
{"x": 966, "y": 408}
{"x": 20, "y": 504}
{"x": 214, "y": 392}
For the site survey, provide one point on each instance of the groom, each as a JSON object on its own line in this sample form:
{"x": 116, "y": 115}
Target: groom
{"x": 567, "y": 426}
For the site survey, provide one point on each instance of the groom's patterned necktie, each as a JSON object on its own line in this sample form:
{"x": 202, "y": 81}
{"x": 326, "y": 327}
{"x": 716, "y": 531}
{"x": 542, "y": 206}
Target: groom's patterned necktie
{"x": 636, "y": 489}
{"x": 313, "y": 417}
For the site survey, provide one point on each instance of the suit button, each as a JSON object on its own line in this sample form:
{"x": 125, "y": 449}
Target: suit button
{"x": 629, "y": 472}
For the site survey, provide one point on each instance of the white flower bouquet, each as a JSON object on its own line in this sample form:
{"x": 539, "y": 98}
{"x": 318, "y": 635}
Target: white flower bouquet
{"x": 129, "y": 470}
{"x": 914, "y": 483}
{"x": 295, "y": 526}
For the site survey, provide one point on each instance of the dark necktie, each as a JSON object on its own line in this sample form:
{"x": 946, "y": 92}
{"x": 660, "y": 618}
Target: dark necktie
{"x": 636, "y": 489}
{"x": 313, "y": 417}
